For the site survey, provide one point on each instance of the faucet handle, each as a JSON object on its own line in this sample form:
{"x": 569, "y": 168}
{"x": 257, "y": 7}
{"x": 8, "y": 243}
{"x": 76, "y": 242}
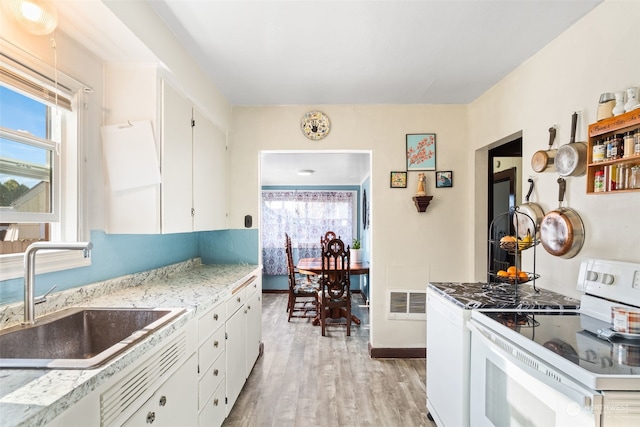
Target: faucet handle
{"x": 43, "y": 298}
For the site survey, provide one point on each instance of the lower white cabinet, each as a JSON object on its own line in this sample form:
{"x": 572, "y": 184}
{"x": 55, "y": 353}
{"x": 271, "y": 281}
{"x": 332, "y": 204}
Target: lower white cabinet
{"x": 173, "y": 404}
{"x": 244, "y": 333}
{"x": 193, "y": 379}
{"x": 253, "y": 330}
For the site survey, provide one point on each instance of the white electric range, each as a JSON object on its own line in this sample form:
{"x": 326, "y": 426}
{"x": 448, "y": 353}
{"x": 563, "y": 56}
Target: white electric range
{"x": 546, "y": 369}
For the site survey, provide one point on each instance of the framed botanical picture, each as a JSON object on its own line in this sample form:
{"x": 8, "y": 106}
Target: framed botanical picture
{"x": 421, "y": 152}
{"x": 398, "y": 180}
{"x": 444, "y": 179}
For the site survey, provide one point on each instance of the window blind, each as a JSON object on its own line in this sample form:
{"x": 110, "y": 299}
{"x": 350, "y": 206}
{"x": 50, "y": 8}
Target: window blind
{"x": 29, "y": 87}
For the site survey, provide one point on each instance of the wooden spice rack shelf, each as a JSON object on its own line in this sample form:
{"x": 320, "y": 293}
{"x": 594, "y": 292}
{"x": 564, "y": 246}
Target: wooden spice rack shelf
{"x": 619, "y": 124}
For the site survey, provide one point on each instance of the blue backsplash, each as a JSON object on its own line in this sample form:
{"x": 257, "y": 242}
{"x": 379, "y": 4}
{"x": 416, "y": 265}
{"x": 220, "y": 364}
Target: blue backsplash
{"x": 115, "y": 255}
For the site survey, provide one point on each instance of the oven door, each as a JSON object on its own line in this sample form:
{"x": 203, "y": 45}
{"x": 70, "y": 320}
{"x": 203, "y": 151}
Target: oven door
{"x": 510, "y": 387}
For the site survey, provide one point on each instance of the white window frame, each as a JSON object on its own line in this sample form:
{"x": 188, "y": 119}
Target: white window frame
{"x": 72, "y": 205}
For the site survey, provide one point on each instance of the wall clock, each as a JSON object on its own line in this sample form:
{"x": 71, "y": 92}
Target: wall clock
{"x": 315, "y": 125}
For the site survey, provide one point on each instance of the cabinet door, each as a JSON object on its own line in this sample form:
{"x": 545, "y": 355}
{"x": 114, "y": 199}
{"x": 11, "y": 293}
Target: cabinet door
{"x": 177, "y": 154}
{"x": 236, "y": 356}
{"x": 253, "y": 331}
{"x": 209, "y": 175}
{"x": 174, "y": 403}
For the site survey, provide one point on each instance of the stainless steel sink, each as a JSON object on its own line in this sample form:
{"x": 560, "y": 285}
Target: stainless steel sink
{"x": 79, "y": 338}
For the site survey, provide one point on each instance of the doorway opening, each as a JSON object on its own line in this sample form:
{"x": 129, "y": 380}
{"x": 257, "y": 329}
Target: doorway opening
{"x": 505, "y": 178}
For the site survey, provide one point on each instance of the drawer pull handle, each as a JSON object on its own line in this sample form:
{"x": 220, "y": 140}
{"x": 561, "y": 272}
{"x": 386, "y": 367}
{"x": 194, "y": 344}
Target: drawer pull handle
{"x": 239, "y": 299}
{"x": 215, "y": 316}
{"x": 215, "y": 344}
{"x": 151, "y": 417}
{"x": 163, "y": 400}
{"x": 248, "y": 307}
{"x": 215, "y": 402}
{"x": 215, "y": 372}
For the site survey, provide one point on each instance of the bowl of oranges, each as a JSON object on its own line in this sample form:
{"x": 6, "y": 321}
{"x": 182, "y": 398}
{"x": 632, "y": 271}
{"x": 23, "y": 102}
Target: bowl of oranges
{"x": 513, "y": 275}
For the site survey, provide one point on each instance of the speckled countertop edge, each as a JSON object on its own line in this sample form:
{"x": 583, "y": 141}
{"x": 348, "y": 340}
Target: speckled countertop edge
{"x": 34, "y": 397}
{"x": 483, "y": 296}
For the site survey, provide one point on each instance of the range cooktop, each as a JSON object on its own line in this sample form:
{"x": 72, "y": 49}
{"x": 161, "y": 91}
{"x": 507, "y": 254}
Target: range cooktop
{"x": 575, "y": 337}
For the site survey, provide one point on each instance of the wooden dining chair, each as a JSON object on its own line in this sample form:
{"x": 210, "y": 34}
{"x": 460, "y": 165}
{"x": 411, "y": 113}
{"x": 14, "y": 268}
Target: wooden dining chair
{"x": 335, "y": 285}
{"x": 329, "y": 235}
{"x": 303, "y": 291}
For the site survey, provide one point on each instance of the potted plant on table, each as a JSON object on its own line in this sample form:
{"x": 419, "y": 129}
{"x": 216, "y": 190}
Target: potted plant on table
{"x": 356, "y": 256}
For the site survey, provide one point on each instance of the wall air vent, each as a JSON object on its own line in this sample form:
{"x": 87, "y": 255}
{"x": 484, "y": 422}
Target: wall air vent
{"x": 407, "y": 305}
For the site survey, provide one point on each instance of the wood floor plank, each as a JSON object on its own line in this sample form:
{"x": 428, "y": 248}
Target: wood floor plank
{"x": 304, "y": 379}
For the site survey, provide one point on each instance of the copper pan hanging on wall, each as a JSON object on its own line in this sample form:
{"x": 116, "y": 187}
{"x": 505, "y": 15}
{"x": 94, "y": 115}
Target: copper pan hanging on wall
{"x": 543, "y": 160}
{"x": 562, "y": 230}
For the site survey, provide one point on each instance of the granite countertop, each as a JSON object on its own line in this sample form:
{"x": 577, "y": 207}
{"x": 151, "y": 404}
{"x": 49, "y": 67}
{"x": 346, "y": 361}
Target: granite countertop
{"x": 34, "y": 397}
{"x": 502, "y": 296}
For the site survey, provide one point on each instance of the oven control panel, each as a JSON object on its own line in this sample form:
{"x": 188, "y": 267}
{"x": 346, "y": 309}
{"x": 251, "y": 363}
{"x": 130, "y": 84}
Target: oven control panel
{"x": 613, "y": 280}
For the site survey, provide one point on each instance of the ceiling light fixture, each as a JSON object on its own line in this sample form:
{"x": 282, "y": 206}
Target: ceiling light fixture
{"x": 39, "y": 17}
{"x": 306, "y": 172}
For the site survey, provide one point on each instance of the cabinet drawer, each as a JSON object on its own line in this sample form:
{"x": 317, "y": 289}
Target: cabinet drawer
{"x": 211, "y": 349}
{"x": 252, "y": 287}
{"x": 211, "y": 321}
{"x": 210, "y": 380}
{"x": 214, "y": 410}
{"x": 235, "y": 301}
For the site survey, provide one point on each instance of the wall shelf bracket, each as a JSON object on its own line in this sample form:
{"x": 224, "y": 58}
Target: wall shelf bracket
{"x": 422, "y": 202}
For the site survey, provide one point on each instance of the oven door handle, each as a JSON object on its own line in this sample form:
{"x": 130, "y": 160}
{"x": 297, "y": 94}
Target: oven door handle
{"x": 591, "y": 401}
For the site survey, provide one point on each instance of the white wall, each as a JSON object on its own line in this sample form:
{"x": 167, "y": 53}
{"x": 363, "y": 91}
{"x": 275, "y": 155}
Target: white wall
{"x": 568, "y": 75}
{"x": 408, "y": 248}
{"x": 448, "y": 242}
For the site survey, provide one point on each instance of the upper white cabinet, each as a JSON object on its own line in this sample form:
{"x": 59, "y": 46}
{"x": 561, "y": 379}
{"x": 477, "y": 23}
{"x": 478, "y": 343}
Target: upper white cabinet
{"x": 177, "y": 159}
{"x": 191, "y": 151}
{"x": 209, "y": 175}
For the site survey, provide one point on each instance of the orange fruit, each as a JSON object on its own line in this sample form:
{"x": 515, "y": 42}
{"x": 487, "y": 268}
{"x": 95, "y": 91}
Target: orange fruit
{"x": 502, "y": 273}
{"x": 523, "y": 276}
{"x": 512, "y": 270}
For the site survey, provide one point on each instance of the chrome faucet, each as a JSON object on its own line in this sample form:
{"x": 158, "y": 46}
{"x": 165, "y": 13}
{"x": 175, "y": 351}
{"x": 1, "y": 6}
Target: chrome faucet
{"x": 30, "y": 267}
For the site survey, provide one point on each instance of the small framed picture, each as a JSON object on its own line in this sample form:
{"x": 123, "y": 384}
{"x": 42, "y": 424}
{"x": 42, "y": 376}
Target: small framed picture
{"x": 444, "y": 179}
{"x": 398, "y": 180}
{"x": 421, "y": 152}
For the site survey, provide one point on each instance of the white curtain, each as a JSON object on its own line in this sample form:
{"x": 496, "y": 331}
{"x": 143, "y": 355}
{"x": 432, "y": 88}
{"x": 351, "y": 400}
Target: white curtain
{"x": 306, "y": 216}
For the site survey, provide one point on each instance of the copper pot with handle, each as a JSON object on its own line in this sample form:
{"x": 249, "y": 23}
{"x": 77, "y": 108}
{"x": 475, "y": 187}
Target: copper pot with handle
{"x": 562, "y": 230}
{"x": 544, "y": 160}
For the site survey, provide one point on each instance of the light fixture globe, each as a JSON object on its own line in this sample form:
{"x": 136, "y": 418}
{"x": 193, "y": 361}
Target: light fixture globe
{"x": 38, "y": 17}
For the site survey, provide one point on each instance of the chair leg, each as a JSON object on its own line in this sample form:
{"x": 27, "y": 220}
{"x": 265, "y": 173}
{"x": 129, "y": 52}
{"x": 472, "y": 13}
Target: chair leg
{"x": 323, "y": 319}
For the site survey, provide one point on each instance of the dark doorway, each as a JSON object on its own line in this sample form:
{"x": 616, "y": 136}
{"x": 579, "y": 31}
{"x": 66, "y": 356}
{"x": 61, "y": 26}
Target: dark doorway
{"x": 502, "y": 199}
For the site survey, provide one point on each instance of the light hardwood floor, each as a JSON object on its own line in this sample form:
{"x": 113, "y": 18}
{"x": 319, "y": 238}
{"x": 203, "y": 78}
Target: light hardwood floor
{"x": 304, "y": 379}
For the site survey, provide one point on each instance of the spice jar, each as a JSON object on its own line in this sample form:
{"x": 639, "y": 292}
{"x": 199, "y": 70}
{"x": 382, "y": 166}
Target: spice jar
{"x": 617, "y": 148}
{"x": 608, "y": 146}
{"x": 621, "y": 177}
{"x": 636, "y": 136}
{"x": 598, "y": 183}
{"x": 629, "y": 144}
{"x": 634, "y": 179}
{"x": 599, "y": 151}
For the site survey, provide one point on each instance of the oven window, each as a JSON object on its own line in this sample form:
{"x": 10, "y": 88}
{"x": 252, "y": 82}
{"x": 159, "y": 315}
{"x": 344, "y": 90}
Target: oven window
{"x": 509, "y": 404}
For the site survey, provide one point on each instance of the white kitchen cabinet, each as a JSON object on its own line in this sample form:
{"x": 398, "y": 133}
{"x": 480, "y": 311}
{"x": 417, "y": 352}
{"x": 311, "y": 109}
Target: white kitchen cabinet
{"x": 209, "y": 175}
{"x": 253, "y": 326}
{"x": 244, "y": 335}
{"x": 211, "y": 366}
{"x": 173, "y": 404}
{"x": 236, "y": 347}
{"x": 177, "y": 159}
{"x": 192, "y": 156}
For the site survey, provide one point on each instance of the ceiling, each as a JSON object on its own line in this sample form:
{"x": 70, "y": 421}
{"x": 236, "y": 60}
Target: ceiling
{"x": 306, "y": 52}
{"x": 364, "y": 52}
